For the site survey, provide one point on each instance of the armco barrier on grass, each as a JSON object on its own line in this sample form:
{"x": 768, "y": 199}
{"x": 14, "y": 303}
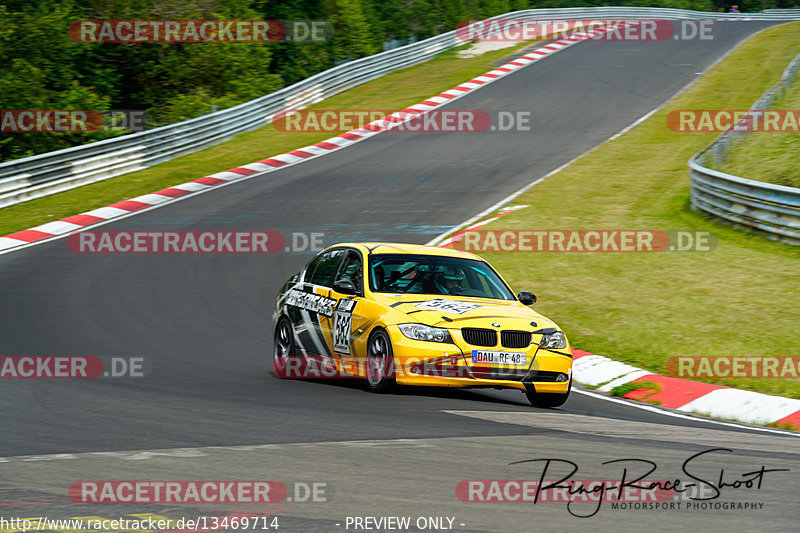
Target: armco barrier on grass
{"x": 53, "y": 172}
{"x": 765, "y": 207}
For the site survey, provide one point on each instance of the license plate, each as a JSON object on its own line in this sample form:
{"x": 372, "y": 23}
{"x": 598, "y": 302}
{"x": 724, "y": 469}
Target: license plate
{"x": 499, "y": 358}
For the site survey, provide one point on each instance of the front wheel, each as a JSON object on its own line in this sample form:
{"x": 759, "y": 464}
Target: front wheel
{"x": 547, "y": 399}
{"x": 380, "y": 362}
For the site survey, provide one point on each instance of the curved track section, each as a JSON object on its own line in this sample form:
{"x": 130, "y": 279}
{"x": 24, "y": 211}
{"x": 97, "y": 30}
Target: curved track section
{"x": 204, "y": 321}
{"x": 204, "y": 324}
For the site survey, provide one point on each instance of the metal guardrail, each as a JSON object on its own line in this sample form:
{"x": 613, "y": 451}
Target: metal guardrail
{"x": 772, "y": 209}
{"x": 45, "y": 174}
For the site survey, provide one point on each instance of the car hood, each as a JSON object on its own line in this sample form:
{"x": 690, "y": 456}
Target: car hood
{"x": 463, "y": 311}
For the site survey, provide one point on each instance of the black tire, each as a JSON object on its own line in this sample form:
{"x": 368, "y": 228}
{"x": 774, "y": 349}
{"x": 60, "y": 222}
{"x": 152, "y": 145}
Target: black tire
{"x": 283, "y": 346}
{"x": 380, "y": 362}
{"x": 547, "y": 399}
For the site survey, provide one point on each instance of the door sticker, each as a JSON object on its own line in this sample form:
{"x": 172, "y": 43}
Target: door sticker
{"x": 448, "y": 306}
{"x": 341, "y": 326}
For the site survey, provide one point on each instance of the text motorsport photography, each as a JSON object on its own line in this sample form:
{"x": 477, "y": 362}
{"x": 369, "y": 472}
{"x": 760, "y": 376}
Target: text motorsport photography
{"x": 695, "y": 488}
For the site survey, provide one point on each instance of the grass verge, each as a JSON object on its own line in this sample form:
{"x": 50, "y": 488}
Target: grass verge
{"x": 625, "y": 388}
{"x": 394, "y": 91}
{"x": 641, "y": 308}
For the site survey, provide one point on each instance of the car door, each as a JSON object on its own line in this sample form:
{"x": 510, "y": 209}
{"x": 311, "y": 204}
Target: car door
{"x": 349, "y": 316}
{"x": 311, "y": 307}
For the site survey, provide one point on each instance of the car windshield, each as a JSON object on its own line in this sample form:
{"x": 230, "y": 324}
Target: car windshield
{"x": 432, "y": 274}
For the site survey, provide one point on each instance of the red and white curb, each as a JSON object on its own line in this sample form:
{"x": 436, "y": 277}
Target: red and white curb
{"x": 78, "y": 222}
{"x": 685, "y": 395}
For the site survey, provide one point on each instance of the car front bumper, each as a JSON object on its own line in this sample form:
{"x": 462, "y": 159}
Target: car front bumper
{"x": 425, "y": 363}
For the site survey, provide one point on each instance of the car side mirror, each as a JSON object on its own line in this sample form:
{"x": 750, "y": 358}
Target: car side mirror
{"x": 345, "y": 286}
{"x": 526, "y": 298}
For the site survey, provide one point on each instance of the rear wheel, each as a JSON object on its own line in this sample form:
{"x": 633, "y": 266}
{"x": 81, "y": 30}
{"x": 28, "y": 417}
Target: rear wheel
{"x": 380, "y": 362}
{"x": 283, "y": 346}
{"x": 547, "y": 399}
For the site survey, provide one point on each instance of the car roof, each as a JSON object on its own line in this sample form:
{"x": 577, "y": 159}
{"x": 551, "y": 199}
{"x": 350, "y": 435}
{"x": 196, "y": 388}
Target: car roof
{"x": 403, "y": 248}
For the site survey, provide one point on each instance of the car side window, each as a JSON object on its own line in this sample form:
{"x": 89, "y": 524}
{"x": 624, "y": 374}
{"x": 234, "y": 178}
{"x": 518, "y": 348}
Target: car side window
{"x": 352, "y": 270}
{"x": 325, "y": 268}
{"x": 310, "y": 268}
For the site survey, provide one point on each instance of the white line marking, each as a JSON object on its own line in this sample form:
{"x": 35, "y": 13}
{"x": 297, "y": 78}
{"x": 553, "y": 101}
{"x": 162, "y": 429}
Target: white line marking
{"x": 202, "y": 451}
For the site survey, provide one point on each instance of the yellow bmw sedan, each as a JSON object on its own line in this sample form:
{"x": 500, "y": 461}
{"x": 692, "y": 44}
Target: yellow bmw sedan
{"x": 416, "y": 315}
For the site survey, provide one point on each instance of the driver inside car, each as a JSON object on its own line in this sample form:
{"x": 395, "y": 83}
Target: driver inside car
{"x": 449, "y": 282}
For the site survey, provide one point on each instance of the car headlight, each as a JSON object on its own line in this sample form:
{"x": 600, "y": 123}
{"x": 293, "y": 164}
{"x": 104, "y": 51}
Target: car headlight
{"x": 554, "y": 341}
{"x": 421, "y": 332}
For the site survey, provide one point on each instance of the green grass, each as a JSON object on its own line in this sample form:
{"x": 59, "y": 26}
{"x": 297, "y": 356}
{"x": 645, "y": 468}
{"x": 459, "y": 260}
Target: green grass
{"x": 787, "y": 426}
{"x": 641, "y": 308}
{"x": 391, "y": 92}
{"x": 625, "y": 388}
{"x": 769, "y": 156}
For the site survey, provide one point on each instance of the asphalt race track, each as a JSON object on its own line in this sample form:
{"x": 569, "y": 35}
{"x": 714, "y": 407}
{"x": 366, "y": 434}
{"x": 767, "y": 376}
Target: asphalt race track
{"x": 204, "y": 324}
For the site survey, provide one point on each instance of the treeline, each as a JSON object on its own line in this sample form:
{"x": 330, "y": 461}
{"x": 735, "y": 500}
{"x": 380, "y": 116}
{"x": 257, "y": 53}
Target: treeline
{"x": 42, "y": 68}
{"x": 752, "y": 6}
